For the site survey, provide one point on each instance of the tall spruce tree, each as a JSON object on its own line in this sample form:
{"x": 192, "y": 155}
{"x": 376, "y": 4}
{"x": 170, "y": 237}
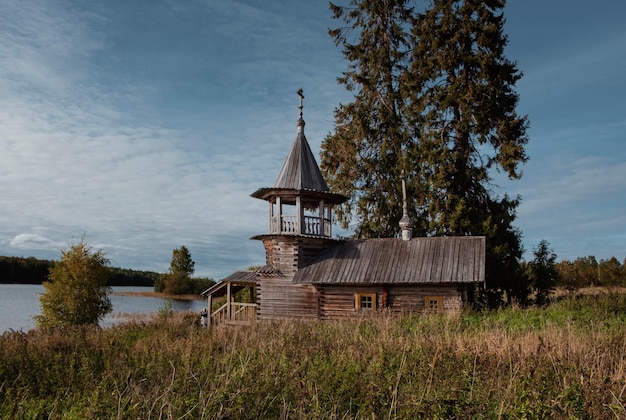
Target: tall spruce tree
{"x": 362, "y": 159}
{"x": 447, "y": 119}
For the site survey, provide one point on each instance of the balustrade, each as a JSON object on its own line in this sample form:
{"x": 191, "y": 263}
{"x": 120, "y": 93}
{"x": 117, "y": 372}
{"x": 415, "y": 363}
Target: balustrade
{"x": 242, "y": 312}
{"x": 310, "y": 226}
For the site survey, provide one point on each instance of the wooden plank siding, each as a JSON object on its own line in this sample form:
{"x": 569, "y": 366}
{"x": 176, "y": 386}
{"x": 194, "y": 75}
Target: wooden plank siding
{"x": 319, "y": 278}
{"x": 406, "y": 298}
{"x": 279, "y": 298}
{"x": 338, "y": 302}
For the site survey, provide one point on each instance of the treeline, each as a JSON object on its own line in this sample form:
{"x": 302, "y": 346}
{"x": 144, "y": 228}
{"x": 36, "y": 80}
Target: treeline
{"x": 587, "y": 271}
{"x": 127, "y": 277}
{"x": 189, "y": 286}
{"x": 20, "y": 270}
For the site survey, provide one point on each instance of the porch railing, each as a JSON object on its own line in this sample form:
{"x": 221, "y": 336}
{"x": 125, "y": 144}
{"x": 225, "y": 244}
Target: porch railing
{"x": 239, "y": 312}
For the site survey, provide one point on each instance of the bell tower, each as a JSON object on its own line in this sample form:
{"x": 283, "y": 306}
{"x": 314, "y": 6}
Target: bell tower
{"x": 300, "y": 208}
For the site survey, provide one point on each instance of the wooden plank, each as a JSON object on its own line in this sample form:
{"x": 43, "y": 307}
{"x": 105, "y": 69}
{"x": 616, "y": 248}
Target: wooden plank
{"x": 393, "y": 261}
{"x": 404, "y": 265}
{"x": 280, "y": 298}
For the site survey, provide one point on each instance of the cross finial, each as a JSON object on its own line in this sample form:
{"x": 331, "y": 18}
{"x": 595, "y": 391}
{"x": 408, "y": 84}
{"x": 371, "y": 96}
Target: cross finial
{"x": 406, "y": 224}
{"x": 301, "y": 95}
{"x": 300, "y": 120}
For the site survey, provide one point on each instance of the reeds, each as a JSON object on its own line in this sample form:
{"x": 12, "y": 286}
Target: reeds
{"x": 565, "y": 361}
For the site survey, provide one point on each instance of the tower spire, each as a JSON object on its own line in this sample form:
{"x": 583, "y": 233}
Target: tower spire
{"x": 406, "y": 224}
{"x": 300, "y": 120}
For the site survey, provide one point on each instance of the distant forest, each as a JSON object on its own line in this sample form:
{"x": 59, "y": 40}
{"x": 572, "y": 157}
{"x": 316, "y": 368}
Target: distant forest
{"x": 582, "y": 272}
{"x": 20, "y": 270}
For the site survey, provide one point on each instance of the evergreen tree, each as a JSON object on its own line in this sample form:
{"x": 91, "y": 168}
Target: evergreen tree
{"x": 463, "y": 104}
{"x": 433, "y": 98}
{"x": 76, "y": 292}
{"x": 362, "y": 159}
{"x": 542, "y": 272}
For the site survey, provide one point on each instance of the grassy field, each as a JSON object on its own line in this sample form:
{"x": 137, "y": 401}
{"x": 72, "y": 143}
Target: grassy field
{"x": 564, "y": 361}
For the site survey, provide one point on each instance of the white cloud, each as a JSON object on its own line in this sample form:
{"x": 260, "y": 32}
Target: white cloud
{"x": 32, "y": 241}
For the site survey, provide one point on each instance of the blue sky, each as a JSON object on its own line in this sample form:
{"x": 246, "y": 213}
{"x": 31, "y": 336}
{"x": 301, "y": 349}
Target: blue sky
{"x": 145, "y": 125}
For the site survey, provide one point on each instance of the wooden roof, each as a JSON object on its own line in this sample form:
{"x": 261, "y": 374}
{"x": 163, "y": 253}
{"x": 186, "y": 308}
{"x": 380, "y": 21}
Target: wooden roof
{"x": 237, "y": 279}
{"x": 268, "y": 270}
{"x": 289, "y": 195}
{"x": 300, "y": 170}
{"x": 457, "y": 259}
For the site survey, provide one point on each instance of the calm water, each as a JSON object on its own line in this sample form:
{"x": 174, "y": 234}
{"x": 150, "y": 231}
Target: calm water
{"x": 20, "y": 302}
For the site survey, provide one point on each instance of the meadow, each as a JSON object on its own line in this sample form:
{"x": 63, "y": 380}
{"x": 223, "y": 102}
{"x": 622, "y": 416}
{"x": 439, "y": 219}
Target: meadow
{"x": 567, "y": 360}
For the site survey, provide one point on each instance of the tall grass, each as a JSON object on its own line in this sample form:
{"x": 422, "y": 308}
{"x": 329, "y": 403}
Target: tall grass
{"x": 565, "y": 361}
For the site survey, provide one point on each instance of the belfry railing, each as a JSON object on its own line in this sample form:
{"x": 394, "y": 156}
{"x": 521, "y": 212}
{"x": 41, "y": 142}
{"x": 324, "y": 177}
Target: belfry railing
{"x": 311, "y": 225}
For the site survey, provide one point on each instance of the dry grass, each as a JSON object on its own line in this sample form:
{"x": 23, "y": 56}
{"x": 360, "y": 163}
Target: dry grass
{"x": 561, "y": 293}
{"x": 565, "y": 361}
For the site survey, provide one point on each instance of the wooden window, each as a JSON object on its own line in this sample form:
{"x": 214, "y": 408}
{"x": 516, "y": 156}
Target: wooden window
{"x": 433, "y": 304}
{"x": 365, "y": 301}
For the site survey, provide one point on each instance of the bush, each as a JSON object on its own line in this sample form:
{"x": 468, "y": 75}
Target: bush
{"x": 76, "y": 292}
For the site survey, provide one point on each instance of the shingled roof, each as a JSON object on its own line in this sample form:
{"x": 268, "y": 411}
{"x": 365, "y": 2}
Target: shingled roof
{"x": 300, "y": 170}
{"x": 458, "y": 259}
{"x": 238, "y": 279}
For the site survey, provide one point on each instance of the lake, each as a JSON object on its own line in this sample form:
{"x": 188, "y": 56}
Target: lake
{"x": 20, "y": 302}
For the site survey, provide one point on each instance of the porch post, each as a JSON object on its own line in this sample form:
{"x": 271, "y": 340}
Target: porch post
{"x": 209, "y": 308}
{"x": 228, "y": 308}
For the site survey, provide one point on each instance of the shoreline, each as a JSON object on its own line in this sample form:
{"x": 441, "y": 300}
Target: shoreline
{"x": 158, "y": 295}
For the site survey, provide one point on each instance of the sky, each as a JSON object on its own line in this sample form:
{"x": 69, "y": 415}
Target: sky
{"x": 145, "y": 125}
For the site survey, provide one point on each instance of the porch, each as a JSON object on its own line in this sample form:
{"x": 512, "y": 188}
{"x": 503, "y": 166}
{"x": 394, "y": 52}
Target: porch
{"x": 231, "y": 311}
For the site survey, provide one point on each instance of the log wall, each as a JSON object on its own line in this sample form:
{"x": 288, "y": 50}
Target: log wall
{"x": 279, "y": 298}
{"x": 288, "y": 254}
{"x": 412, "y": 299}
{"x": 339, "y": 301}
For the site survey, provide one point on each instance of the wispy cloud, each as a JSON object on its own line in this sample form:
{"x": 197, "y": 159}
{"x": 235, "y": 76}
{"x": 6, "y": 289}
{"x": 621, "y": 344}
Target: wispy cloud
{"x": 147, "y": 129}
{"x": 77, "y": 163}
{"x": 575, "y": 199}
{"x": 31, "y": 241}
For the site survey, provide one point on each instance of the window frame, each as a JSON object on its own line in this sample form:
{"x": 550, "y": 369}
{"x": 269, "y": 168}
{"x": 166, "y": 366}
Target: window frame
{"x": 428, "y": 300}
{"x": 358, "y": 301}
